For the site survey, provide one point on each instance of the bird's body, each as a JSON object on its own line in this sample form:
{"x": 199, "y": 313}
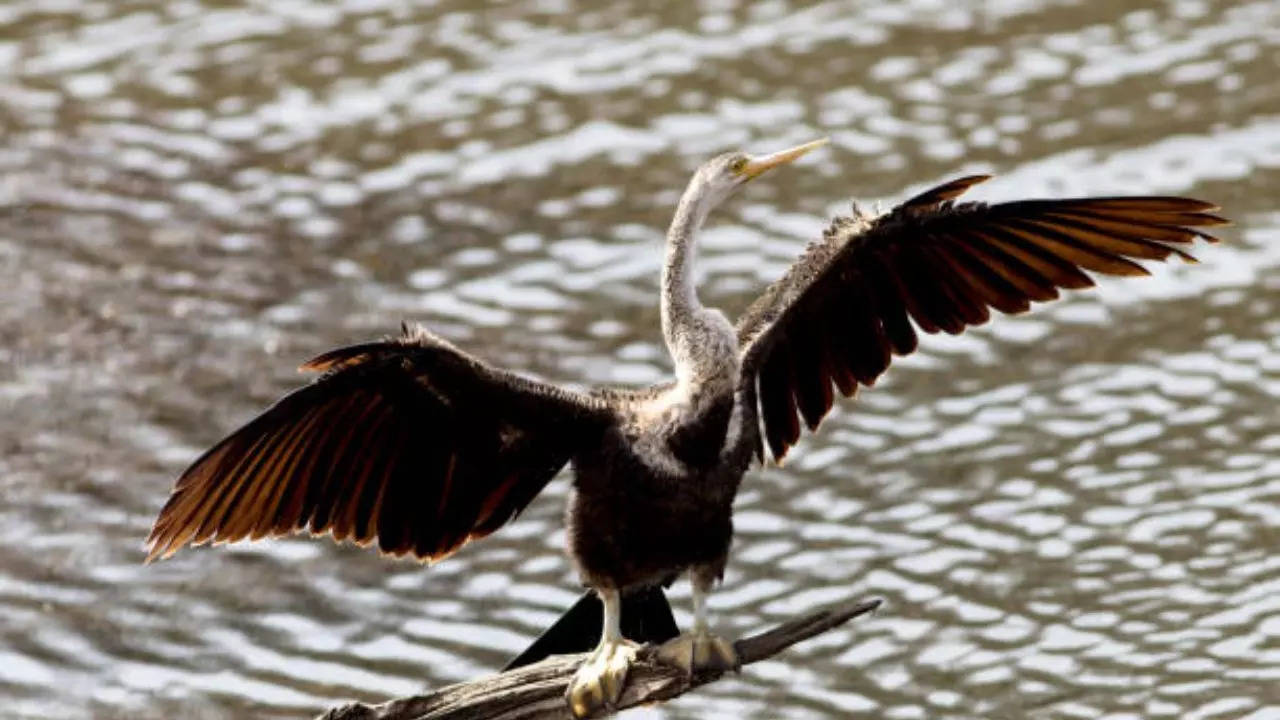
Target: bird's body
{"x": 655, "y": 496}
{"x": 415, "y": 445}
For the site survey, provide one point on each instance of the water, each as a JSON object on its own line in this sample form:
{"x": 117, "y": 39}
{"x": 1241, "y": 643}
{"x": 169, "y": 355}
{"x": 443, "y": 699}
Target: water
{"x": 1070, "y": 514}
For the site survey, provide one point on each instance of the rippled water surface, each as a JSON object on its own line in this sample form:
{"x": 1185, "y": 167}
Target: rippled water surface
{"x": 1071, "y": 514}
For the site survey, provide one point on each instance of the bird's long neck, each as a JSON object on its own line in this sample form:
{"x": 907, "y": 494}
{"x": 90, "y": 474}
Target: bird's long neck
{"x": 683, "y": 317}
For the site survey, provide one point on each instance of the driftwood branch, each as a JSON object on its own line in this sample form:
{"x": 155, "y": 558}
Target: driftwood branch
{"x": 537, "y": 692}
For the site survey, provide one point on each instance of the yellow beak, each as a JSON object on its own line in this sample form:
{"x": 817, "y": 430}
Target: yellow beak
{"x": 757, "y": 166}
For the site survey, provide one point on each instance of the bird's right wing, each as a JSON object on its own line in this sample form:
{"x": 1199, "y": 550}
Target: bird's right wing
{"x": 841, "y": 311}
{"x": 409, "y": 442}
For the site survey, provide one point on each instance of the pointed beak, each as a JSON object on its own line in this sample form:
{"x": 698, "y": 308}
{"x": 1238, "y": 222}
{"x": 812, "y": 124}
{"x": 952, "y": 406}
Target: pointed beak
{"x": 758, "y": 165}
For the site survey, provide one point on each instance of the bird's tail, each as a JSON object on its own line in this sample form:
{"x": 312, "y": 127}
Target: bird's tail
{"x": 646, "y": 617}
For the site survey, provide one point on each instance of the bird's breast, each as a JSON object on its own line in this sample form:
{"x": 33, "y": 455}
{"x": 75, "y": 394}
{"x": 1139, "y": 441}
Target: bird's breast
{"x": 681, "y": 433}
{"x": 699, "y": 439}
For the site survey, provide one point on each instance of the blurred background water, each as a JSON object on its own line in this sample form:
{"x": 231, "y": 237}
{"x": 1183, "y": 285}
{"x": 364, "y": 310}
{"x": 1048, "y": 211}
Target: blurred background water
{"x": 1071, "y": 514}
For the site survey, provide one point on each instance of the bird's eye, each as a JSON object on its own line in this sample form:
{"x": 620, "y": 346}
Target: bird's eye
{"x": 738, "y": 164}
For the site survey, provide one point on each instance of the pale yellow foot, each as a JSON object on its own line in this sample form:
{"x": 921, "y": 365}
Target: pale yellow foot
{"x": 699, "y": 650}
{"x": 599, "y": 680}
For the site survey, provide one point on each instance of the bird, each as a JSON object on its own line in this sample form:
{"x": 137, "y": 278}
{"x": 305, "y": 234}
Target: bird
{"x": 417, "y": 447}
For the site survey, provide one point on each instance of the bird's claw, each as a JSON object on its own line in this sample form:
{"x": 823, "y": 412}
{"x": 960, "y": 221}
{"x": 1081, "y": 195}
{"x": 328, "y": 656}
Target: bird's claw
{"x": 599, "y": 681}
{"x": 699, "y": 651}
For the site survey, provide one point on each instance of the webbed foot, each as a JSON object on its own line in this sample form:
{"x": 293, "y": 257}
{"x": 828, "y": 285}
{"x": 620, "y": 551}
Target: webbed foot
{"x": 599, "y": 680}
{"x": 699, "y": 650}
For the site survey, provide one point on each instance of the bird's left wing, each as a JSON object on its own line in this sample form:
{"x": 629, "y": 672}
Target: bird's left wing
{"x": 841, "y": 312}
{"x": 409, "y": 443}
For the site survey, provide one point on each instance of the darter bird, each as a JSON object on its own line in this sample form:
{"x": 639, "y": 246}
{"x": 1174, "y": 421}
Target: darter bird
{"x": 419, "y": 447}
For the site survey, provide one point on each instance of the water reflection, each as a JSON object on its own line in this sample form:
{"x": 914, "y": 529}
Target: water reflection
{"x": 1068, "y": 513}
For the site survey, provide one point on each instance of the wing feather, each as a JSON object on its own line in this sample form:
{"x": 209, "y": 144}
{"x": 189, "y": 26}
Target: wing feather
{"x": 891, "y": 309}
{"x": 230, "y": 491}
{"x": 850, "y": 302}
{"x": 1102, "y": 226}
{"x": 407, "y": 442}
{"x": 778, "y": 403}
{"x": 812, "y": 389}
{"x": 1032, "y": 271}
{"x": 1068, "y": 248}
{"x": 299, "y": 452}
{"x": 907, "y": 262}
{"x": 860, "y": 343}
{"x": 992, "y": 288}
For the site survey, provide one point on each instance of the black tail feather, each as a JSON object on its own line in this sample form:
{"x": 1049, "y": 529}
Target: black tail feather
{"x": 646, "y": 618}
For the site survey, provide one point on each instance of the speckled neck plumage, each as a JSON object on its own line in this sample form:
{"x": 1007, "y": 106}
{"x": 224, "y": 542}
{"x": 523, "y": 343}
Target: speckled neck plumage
{"x": 699, "y": 339}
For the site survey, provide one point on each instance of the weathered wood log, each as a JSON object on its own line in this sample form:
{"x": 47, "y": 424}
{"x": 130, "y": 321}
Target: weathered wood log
{"x": 537, "y": 692}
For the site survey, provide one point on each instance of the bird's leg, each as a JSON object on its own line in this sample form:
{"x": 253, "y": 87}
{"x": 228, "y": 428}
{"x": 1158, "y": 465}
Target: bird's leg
{"x": 699, "y": 649}
{"x": 599, "y": 680}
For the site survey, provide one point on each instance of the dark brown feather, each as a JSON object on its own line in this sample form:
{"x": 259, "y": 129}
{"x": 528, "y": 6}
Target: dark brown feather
{"x": 944, "y": 192}
{"x": 889, "y": 305}
{"x": 1071, "y": 249}
{"x": 967, "y": 298}
{"x": 857, "y": 340}
{"x": 840, "y": 310}
{"x": 1034, "y": 272}
{"x": 1139, "y": 204}
{"x": 992, "y": 289}
{"x": 866, "y": 341}
{"x": 1105, "y": 225}
{"x": 915, "y": 288}
{"x": 813, "y": 388}
{"x": 777, "y": 404}
{"x": 297, "y": 454}
{"x": 1123, "y": 241}
{"x": 377, "y": 449}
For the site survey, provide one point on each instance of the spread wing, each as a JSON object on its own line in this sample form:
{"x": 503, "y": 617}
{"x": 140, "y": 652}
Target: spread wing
{"x": 409, "y": 442}
{"x": 841, "y": 312}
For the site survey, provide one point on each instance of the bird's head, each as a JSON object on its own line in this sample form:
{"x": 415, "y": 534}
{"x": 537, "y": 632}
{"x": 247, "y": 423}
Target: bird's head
{"x": 722, "y": 175}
